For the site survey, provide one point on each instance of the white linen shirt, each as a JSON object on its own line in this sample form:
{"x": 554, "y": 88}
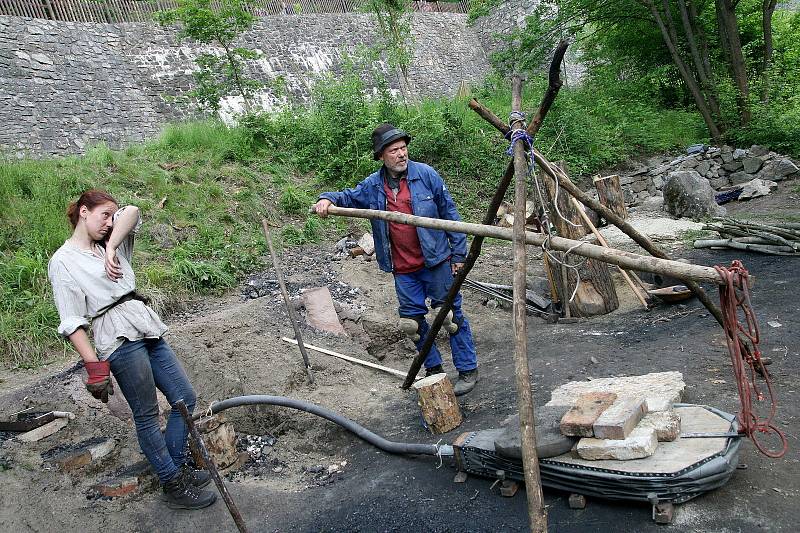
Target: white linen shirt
{"x": 82, "y": 291}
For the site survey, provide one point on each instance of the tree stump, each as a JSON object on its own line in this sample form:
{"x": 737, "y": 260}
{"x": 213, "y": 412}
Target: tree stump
{"x": 611, "y": 195}
{"x": 220, "y": 440}
{"x": 596, "y": 293}
{"x": 437, "y": 403}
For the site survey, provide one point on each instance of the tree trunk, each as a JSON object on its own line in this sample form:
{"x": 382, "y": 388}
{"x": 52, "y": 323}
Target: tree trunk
{"x": 726, "y": 14}
{"x": 767, "y": 8}
{"x": 437, "y": 403}
{"x": 686, "y": 75}
{"x": 693, "y": 35}
{"x": 611, "y": 195}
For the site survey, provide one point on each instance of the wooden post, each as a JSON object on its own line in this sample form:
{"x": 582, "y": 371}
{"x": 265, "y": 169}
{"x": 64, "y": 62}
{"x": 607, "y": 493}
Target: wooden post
{"x": 595, "y": 293}
{"x": 537, "y": 514}
{"x": 610, "y": 192}
{"x": 437, "y": 403}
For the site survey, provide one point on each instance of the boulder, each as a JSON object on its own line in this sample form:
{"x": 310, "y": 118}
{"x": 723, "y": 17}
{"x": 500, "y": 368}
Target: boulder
{"x": 737, "y": 178}
{"x": 549, "y": 440}
{"x": 688, "y": 194}
{"x": 703, "y": 167}
{"x": 739, "y": 153}
{"x": 778, "y": 170}
{"x": 733, "y": 166}
{"x": 752, "y": 164}
{"x": 758, "y": 150}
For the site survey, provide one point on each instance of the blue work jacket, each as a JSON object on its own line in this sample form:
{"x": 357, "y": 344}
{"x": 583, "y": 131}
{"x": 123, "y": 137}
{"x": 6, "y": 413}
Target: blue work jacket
{"x": 429, "y": 198}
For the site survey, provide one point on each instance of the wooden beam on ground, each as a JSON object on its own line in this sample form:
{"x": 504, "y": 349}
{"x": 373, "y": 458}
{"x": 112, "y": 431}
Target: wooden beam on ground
{"x": 537, "y": 513}
{"x": 355, "y": 360}
{"x": 683, "y": 271}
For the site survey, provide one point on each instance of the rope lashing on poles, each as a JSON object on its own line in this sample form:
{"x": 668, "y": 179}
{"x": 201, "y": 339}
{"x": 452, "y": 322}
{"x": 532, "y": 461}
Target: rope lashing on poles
{"x": 743, "y": 340}
{"x": 521, "y": 135}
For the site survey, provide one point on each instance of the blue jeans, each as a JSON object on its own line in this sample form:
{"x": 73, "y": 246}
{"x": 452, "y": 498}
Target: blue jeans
{"x": 139, "y": 367}
{"x": 412, "y": 290}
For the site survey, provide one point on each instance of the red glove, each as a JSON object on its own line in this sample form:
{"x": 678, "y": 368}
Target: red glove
{"x": 99, "y": 382}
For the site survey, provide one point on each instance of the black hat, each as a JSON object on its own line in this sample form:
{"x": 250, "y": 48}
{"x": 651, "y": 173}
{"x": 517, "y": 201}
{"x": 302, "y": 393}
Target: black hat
{"x": 384, "y": 135}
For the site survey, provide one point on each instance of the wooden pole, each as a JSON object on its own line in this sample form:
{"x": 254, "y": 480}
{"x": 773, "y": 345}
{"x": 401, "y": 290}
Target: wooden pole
{"x": 610, "y": 194}
{"x": 628, "y": 260}
{"x": 288, "y": 302}
{"x": 537, "y": 514}
{"x": 603, "y": 211}
{"x": 475, "y": 248}
{"x": 348, "y": 358}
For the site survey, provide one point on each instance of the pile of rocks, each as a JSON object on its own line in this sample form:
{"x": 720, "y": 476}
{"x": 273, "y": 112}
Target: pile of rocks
{"x": 621, "y": 418}
{"x": 721, "y": 167}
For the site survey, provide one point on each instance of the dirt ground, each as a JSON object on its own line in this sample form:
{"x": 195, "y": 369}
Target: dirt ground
{"x": 311, "y": 475}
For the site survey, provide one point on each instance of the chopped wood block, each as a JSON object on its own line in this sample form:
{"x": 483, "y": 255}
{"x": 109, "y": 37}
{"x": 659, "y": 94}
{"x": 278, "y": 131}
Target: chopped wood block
{"x": 663, "y": 513}
{"x": 617, "y": 422}
{"x": 438, "y": 404}
{"x": 220, "y": 439}
{"x": 580, "y": 419}
{"x": 43, "y": 431}
{"x": 508, "y": 488}
{"x": 641, "y": 443}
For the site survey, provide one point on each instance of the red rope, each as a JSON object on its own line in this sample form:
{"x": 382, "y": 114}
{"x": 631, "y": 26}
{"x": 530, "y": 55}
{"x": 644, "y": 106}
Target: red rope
{"x": 743, "y": 347}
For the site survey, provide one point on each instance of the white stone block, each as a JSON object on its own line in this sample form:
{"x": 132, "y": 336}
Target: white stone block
{"x": 642, "y": 442}
{"x": 660, "y": 389}
{"x": 666, "y": 423}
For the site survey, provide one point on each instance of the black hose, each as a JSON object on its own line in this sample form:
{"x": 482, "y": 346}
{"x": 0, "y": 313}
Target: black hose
{"x": 403, "y": 448}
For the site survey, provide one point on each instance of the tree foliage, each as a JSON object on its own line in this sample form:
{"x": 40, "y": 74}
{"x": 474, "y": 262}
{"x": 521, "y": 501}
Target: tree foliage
{"x": 220, "y": 72}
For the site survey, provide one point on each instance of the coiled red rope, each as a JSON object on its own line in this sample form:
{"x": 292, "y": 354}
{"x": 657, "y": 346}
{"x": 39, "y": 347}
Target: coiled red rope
{"x": 743, "y": 342}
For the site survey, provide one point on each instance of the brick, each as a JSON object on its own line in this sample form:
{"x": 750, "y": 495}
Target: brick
{"x": 641, "y": 443}
{"x": 666, "y": 423}
{"x": 81, "y": 454}
{"x": 618, "y": 421}
{"x": 43, "y": 431}
{"x": 135, "y": 478}
{"x": 580, "y": 419}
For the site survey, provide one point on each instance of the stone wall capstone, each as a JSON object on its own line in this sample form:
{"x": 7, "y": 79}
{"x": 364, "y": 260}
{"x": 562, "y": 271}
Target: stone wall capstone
{"x": 65, "y": 85}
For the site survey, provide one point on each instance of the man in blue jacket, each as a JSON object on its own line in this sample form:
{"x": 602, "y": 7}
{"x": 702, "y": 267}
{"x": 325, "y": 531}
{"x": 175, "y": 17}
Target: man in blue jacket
{"x": 422, "y": 260}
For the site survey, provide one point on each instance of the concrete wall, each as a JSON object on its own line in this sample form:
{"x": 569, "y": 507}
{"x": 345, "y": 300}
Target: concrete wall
{"x": 64, "y": 85}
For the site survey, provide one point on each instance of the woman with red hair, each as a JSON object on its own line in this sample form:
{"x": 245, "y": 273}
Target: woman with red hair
{"x": 93, "y": 283}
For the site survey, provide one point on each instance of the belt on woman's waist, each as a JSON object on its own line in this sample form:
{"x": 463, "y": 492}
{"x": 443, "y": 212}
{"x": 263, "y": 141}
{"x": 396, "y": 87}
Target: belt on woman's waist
{"x": 133, "y": 295}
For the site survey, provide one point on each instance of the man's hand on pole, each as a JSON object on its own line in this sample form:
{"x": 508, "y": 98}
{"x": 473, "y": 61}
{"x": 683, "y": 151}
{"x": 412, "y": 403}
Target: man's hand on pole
{"x": 321, "y": 207}
{"x": 455, "y": 267}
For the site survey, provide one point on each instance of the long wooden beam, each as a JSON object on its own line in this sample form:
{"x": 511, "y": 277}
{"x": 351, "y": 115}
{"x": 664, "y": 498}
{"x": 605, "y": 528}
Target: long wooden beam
{"x": 627, "y": 260}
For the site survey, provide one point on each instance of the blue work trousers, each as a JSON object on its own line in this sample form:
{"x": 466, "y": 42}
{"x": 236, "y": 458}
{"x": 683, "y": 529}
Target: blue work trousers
{"x": 139, "y": 368}
{"x": 412, "y": 291}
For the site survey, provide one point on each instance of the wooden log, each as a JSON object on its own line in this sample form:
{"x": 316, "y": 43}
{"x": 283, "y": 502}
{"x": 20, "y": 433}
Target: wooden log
{"x": 220, "y": 439}
{"x": 357, "y": 361}
{"x": 537, "y": 512}
{"x": 635, "y": 288}
{"x": 437, "y": 403}
{"x": 595, "y": 293}
{"x": 610, "y": 194}
{"x": 683, "y": 271}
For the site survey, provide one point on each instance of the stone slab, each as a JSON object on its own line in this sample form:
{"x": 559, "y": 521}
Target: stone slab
{"x": 81, "y": 454}
{"x": 321, "y": 313}
{"x": 669, "y": 457}
{"x": 618, "y": 421}
{"x": 549, "y": 440}
{"x": 133, "y": 479}
{"x": 43, "y": 431}
{"x": 660, "y": 389}
{"x": 641, "y": 443}
{"x": 666, "y": 423}
{"x": 580, "y": 419}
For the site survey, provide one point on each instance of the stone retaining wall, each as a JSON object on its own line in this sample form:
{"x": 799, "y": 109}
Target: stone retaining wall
{"x": 64, "y": 85}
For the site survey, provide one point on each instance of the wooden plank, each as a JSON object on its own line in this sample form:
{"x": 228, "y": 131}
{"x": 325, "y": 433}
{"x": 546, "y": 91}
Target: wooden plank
{"x": 580, "y": 419}
{"x": 376, "y": 366}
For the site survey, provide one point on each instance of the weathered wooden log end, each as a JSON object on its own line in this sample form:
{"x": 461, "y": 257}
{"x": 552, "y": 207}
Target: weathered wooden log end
{"x": 437, "y": 403}
{"x": 220, "y": 439}
{"x": 611, "y": 194}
